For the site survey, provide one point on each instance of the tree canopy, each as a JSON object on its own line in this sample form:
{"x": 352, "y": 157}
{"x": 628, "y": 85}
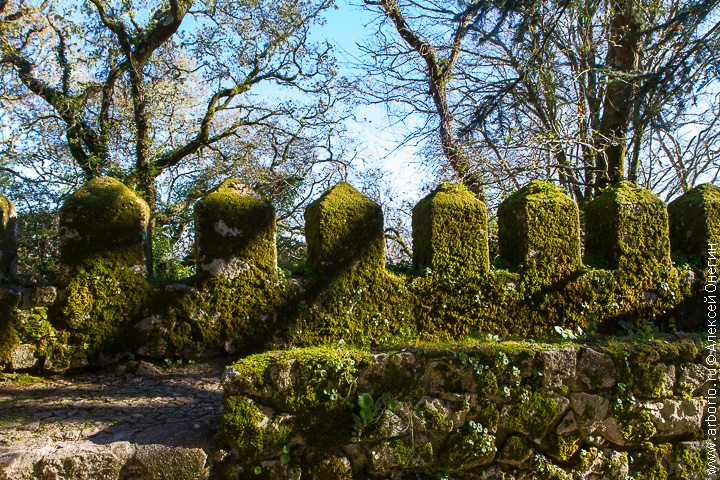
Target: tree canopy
{"x": 167, "y": 96}
{"x": 585, "y": 92}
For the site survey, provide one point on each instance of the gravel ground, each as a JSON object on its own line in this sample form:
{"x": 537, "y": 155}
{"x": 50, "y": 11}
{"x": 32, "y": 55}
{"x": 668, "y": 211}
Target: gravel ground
{"x": 136, "y": 404}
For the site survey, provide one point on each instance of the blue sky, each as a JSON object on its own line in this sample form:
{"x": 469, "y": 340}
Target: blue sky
{"x": 379, "y": 140}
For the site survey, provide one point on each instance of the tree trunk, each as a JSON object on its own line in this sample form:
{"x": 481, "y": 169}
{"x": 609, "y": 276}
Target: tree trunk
{"x": 622, "y": 59}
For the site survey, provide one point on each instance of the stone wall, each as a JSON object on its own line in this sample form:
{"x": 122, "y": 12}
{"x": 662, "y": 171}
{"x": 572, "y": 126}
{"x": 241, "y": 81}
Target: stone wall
{"x": 239, "y": 302}
{"x": 509, "y": 410}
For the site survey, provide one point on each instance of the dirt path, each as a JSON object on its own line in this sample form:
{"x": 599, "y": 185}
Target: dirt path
{"x": 136, "y": 421}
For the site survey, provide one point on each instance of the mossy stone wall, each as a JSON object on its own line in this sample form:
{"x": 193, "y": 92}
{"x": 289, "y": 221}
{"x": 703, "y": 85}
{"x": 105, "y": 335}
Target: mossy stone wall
{"x": 103, "y": 288}
{"x": 450, "y": 233}
{"x": 627, "y": 227}
{"x": 344, "y": 230}
{"x": 695, "y": 220}
{"x": 240, "y": 303}
{"x": 234, "y": 230}
{"x": 615, "y": 409}
{"x": 539, "y": 232}
{"x": 8, "y": 239}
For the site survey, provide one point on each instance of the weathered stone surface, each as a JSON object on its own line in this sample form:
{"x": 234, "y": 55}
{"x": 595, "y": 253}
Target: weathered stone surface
{"x": 160, "y": 462}
{"x": 234, "y": 232}
{"x": 694, "y": 377}
{"x": 568, "y": 424}
{"x": 611, "y": 430}
{"x": 335, "y": 467}
{"x": 22, "y": 357}
{"x": 388, "y": 425}
{"x": 110, "y": 425}
{"x": 558, "y": 367}
{"x": 594, "y": 370}
{"x": 114, "y": 461}
{"x": 103, "y": 219}
{"x": 534, "y": 417}
{"x": 39, "y": 296}
{"x": 627, "y": 226}
{"x": 654, "y": 380}
{"x": 692, "y": 461}
{"x": 677, "y": 417}
{"x": 603, "y": 464}
{"x": 590, "y": 410}
{"x": 695, "y": 220}
{"x": 344, "y": 229}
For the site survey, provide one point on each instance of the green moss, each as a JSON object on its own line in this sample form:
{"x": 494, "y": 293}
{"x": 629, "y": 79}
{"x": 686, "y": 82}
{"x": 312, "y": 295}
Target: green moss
{"x": 20, "y": 379}
{"x": 562, "y": 447}
{"x": 604, "y": 464}
{"x": 344, "y": 230}
{"x": 212, "y": 318}
{"x": 8, "y": 336}
{"x": 233, "y": 224}
{"x": 407, "y": 454}
{"x": 401, "y": 382}
{"x": 313, "y": 370}
{"x": 102, "y": 252}
{"x": 695, "y": 220}
{"x": 101, "y": 301}
{"x": 433, "y": 417}
{"x": 331, "y": 468}
{"x": 515, "y": 451}
{"x": 690, "y": 461}
{"x": 450, "y": 233}
{"x": 635, "y": 422}
{"x": 539, "y": 233}
{"x": 8, "y": 239}
{"x": 627, "y": 226}
{"x": 359, "y": 306}
{"x": 535, "y": 416}
{"x": 651, "y": 381}
{"x": 103, "y": 216}
{"x": 651, "y": 462}
{"x": 249, "y": 431}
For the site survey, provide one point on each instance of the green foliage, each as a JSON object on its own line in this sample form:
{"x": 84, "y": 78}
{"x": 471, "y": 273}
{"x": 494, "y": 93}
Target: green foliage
{"x": 368, "y": 410}
{"x": 38, "y": 246}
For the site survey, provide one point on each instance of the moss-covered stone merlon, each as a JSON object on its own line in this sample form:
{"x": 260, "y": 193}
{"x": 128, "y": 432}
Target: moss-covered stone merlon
{"x": 102, "y": 253}
{"x": 103, "y": 218}
{"x": 234, "y": 231}
{"x": 539, "y": 231}
{"x": 344, "y": 228}
{"x": 450, "y": 233}
{"x": 8, "y": 239}
{"x": 627, "y": 226}
{"x": 695, "y": 220}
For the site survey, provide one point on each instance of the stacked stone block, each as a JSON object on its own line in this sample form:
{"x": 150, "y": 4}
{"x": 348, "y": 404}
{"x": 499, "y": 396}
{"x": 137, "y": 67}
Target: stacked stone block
{"x": 450, "y": 233}
{"x": 539, "y": 233}
{"x": 234, "y": 231}
{"x": 695, "y": 221}
{"x": 627, "y": 227}
{"x": 344, "y": 230}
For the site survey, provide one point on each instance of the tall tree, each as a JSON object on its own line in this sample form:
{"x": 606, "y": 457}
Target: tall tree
{"x": 570, "y": 90}
{"x": 145, "y": 89}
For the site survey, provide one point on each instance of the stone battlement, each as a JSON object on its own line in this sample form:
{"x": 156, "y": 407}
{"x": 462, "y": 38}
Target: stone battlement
{"x": 239, "y": 301}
